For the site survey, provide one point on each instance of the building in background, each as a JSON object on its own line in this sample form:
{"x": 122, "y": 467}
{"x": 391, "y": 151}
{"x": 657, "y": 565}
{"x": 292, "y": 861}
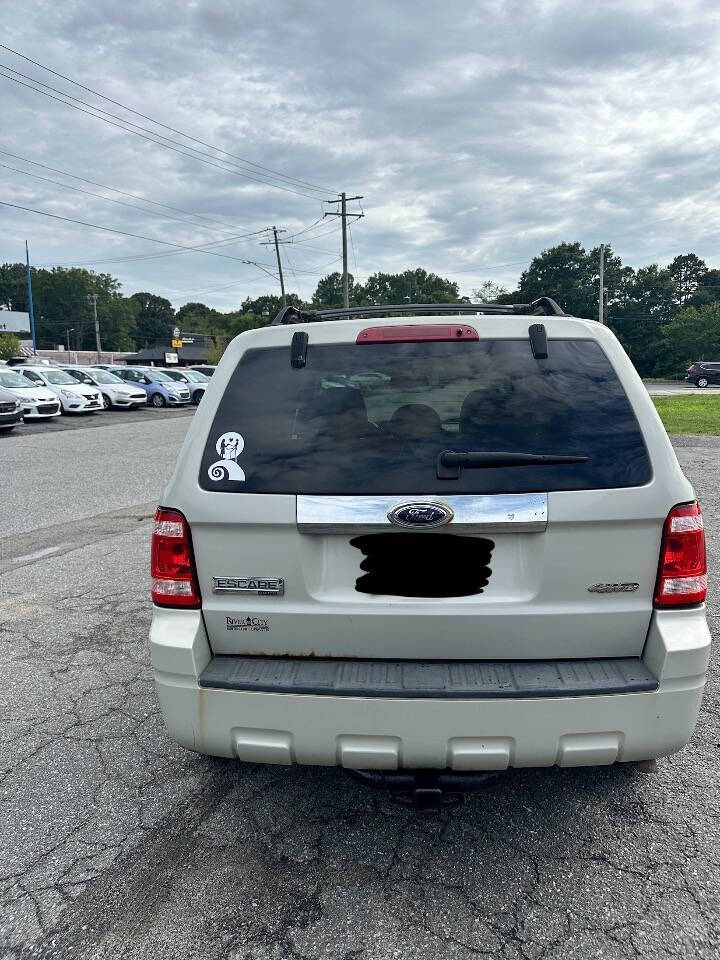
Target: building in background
{"x": 180, "y": 349}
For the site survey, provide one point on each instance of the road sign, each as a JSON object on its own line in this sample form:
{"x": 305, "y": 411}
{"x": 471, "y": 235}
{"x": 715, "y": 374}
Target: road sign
{"x": 176, "y": 333}
{"x": 176, "y": 343}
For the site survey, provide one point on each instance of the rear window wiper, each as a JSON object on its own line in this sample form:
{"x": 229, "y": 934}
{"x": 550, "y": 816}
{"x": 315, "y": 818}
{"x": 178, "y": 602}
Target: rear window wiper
{"x": 450, "y": 462}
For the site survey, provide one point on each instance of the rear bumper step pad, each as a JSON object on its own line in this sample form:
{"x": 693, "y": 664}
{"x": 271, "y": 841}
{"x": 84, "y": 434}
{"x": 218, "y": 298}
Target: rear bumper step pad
{"x": 450, "y": 679}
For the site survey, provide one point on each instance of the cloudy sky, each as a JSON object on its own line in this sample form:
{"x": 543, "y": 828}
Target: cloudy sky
{"x": 477, "y": 132}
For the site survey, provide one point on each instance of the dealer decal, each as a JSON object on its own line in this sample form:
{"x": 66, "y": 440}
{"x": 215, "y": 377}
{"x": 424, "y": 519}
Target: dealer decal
{"x": 247, "y": 624}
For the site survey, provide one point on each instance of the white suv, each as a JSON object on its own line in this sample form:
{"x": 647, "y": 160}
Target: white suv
{"x": 435, "y": 542}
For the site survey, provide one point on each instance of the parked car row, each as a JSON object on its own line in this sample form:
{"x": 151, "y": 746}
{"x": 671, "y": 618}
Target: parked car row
{"x": 43, "y": 391}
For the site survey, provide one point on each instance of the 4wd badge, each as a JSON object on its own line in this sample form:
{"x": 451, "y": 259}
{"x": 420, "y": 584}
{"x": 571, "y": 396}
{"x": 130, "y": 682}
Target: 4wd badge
{"x": 261, "y": 586}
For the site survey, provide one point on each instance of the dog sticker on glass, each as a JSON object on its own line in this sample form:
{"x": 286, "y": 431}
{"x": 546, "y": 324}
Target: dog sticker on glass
{"x": 229, "y": 446}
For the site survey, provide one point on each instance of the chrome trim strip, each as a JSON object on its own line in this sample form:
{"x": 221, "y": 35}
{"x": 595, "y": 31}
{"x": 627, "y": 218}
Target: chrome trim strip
{"x": 486, "y": 513}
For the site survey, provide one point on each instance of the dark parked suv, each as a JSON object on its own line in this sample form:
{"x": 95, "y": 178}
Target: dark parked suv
{"x": 702, "y": 373}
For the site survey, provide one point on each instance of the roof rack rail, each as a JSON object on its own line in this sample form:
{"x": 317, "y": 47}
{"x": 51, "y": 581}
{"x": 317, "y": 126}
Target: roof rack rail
{"x": 543, "y": 306}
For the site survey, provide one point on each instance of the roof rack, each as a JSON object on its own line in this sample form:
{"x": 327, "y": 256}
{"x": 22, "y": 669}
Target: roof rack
{"x": 543, "y": 306}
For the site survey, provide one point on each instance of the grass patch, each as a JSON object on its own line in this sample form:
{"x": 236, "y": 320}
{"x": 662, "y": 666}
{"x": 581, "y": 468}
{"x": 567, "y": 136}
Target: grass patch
{"x": 693, "y": 414}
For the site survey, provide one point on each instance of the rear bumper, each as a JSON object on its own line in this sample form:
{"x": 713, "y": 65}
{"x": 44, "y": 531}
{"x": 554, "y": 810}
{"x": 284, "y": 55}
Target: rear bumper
{"x": 389, "y": 733}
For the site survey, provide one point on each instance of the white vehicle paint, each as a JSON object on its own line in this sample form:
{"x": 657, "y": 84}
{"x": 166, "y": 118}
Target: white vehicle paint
{"x": 115, "y": 392}
{"x": 38, "y": 403}
{"x": 323, "y": 634}
{"x": 73, "y": 396}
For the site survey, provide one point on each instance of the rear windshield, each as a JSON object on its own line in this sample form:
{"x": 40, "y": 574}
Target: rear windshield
{"x": 373, "y": 419}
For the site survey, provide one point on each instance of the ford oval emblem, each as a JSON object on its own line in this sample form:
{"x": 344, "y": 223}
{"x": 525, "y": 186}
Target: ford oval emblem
{"x": 420, "y": 514}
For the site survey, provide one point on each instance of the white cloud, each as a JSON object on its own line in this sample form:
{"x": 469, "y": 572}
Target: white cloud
{"x": 478, "y": 134}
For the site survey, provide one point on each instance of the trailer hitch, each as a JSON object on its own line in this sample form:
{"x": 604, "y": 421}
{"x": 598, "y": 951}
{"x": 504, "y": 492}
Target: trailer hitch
{"x": 428, "y": 791}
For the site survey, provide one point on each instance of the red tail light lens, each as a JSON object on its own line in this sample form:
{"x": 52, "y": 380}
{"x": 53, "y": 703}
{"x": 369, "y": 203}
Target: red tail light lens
{"x": 682, "y": 576}
{"x": 417, "y": 332}
{"x": 172, "y": 566}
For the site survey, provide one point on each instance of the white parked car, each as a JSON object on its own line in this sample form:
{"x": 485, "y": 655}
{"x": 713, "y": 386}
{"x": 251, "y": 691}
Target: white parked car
{"x": 195, "y": 381}
{"x": 74, "y": 397}
{"x": 114, "y": 391}
{"x": 441, "y": 543}
{"x": 38, "y": 403}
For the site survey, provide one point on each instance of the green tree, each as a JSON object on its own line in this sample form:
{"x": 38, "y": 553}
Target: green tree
{"x": 694, "y": 334}
{"x": 197, "y": 317}
{"x": 638, "y": 319}
{"x": 489, "y": 292}
{"x": 13, "y": 287}
{"x": 155, "y": 319}
{"x": 707, "y": 290}
{"x": 9, "y": 346}
{"x": 571, "y": 275}
{"x": 410, "y": 286}
{"x": 269, "y": 305}
{"x": 686, "y": 272}
{"x": 214, "y": 355}
{"x": 329, "y": 291}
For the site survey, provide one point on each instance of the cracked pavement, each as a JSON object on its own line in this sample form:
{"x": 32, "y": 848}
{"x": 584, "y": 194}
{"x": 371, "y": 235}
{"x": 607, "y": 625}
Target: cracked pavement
{"x": 118, "y": 843}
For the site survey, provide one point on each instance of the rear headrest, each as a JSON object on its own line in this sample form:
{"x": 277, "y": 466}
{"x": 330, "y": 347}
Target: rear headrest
{"x": 339, "y": 411}
{"x": 498, "y": 419}
{"x": 481, "y": 407}
{"x": 414, "y": 421}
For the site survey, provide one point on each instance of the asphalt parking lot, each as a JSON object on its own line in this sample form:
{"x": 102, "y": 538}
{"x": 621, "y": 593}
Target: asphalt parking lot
{"x": 677, "y": 388}
{"x": 118, "y": 843}
{"x": 83, "y": 421}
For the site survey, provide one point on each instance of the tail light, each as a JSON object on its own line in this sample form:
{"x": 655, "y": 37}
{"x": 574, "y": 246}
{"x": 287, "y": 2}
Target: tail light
{"x": 172, "y": 566}
{"x": 682, "y": 575}
{"x": 416, "y": 333}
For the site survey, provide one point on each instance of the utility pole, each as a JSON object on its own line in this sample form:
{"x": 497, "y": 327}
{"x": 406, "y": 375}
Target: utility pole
{"x": 279, "y": 263}
{"x": 601, "y": 298}
{"x": 344, "y": 215}
{"x": 92, "y": 298}
{"x": 31, "y": 309}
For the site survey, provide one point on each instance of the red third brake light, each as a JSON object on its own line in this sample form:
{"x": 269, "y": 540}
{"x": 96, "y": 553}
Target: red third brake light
{"x": 172, "y": 566}
{"x": 415, "y": 332}
{"x": 682, "y": 575}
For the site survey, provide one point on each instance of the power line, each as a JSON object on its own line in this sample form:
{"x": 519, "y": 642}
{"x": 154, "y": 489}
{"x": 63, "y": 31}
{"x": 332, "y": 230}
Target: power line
{"x": 200, "y": 247}
{"x": 123, "y": 193}
{"x": 165, "y": 253}
{"x": 276, "y": 174}
{"x": 305, "y": 229}
{"x": 316, "y": 236}
{"x": 122, "y": 233}
{"x": 352, "y": 244}
{"x": 126, "y": 125}
{"x": 99, "y": 196}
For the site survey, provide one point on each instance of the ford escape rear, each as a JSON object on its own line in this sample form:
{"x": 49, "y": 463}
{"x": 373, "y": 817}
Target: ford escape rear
{"x": 441, "y": 542}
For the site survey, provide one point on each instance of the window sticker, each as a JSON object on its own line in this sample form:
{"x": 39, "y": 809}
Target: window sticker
{"x": 229, "y": 446}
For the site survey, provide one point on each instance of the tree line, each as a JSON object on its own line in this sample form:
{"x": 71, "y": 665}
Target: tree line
{"x": 665, "y": 316}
